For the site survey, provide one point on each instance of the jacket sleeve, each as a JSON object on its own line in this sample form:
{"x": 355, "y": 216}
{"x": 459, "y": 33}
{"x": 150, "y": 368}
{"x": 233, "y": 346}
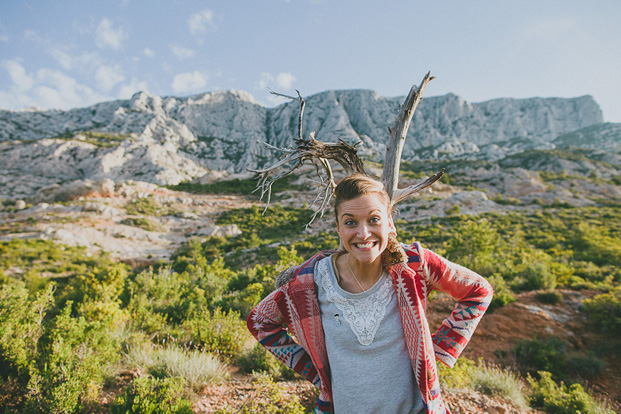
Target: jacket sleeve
{"x": 268, "y": 324}
{"x": 473, "y": 295}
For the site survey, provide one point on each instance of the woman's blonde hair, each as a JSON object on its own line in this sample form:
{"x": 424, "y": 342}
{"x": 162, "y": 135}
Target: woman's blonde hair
{"x": 354, "y": 186}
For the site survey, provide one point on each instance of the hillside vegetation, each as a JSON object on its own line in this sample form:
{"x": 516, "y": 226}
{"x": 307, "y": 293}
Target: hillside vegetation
{"x": 81, "y": 332}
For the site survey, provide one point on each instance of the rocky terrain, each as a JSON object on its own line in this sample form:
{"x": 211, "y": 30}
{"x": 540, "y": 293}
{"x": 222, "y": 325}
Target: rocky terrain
{"x": 167, "y": 140}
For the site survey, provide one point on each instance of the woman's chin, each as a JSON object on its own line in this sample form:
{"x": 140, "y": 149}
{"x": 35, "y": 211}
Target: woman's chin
{"x": 365, "y": 256}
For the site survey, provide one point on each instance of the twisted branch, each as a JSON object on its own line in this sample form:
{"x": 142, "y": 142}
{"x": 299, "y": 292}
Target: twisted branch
{"x": 309, "y": 150}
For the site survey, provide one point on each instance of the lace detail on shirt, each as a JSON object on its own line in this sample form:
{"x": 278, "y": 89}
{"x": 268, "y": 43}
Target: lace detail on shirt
{"x": 364, "y": 315}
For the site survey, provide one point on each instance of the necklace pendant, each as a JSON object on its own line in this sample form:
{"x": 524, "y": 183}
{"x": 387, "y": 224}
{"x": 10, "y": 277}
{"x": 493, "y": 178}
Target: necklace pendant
{"x": 337, "y": 319}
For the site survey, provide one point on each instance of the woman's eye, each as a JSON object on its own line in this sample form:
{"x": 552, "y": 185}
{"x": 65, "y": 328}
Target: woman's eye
{"x": 350, "y": 223}
{"x": 375, "y": 220}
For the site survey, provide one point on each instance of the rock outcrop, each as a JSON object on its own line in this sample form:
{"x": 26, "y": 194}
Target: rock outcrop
{"x": 167, "y": 139}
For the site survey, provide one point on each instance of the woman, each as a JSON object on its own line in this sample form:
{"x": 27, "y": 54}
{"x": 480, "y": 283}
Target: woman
{"x": 358, "y": 314}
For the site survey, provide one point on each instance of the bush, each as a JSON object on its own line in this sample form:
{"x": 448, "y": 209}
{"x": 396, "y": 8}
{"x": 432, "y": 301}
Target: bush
{"x": 604, "y": 311}
{"x": 197, "y": 368}
{"x": 145, "y": 205}
{"x": 21, "y": 327}
{"x": 258, "y": 359}
{"x": 220, "y": 333}
{"x": 560, "y": 399}
{"x": 453, "y": 210}
{"x": 488, "y": 379}
{"x": 153, "y": 396}
{"x": 457, "y": 377}
{"x": 499, "y": 382}
{"x": 542, "y": 355}
{"x": 142, "y": 223}
{"x": 586, "y": 366}
{"x": 549, "y": 297}
{"x": 70, "y": 366}
{"x": 502, "y": 293}
{"x": 536, "y": 276}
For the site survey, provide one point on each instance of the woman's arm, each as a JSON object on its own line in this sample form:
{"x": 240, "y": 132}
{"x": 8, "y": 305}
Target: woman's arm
{"x": 268, "y": 325}
{"x": 472, "y": 293}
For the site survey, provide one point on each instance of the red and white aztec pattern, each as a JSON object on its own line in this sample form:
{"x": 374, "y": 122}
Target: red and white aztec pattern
{"x": 295, "y": 305}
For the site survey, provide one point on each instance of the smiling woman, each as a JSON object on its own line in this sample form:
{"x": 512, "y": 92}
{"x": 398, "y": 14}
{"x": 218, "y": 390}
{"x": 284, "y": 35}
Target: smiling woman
{"x": 358, "y": 313}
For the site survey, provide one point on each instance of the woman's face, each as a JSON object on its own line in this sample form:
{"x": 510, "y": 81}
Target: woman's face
{"x": 364, "y": 224}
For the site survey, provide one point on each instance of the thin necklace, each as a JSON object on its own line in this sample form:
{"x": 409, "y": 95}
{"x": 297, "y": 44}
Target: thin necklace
{"x": 355, "y": 277}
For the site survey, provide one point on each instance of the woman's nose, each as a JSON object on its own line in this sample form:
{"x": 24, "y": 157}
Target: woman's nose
{"x": 363, "y": 232}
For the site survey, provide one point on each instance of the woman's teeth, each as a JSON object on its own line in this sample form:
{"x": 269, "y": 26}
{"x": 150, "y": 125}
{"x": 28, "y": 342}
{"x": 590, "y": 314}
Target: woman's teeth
{"x": 365, "y": 245}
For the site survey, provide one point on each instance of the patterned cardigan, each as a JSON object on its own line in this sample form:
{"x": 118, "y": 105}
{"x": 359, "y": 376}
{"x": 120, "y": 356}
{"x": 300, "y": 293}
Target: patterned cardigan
{"x": 293, "y": 311}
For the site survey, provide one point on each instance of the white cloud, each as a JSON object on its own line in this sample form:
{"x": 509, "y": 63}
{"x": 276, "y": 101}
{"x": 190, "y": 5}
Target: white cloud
{"x": 189, "y": 81}
{"x": 148, "y": 52}
{"x": 108, "y": 37}
{"x": 128, "y": 89}
{"x": 280, "y": 83}
{"x": 46, "y": 88}
{"x": 182, "y": 52}
{"x": 285, "y": 80}
{"x": 200, "y": 22}
{"x": 108, "y": 76}
{"x": 87, "y": 61}
{"x": 21, "y": 80}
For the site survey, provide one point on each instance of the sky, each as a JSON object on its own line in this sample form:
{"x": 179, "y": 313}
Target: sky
{"x": 64, "y": 54}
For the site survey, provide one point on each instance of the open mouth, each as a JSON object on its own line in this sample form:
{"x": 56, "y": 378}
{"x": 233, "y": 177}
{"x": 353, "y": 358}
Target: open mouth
{"x": 365, "y": 245}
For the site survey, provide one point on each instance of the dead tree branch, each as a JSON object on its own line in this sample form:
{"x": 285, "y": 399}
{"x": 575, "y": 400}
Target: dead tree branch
{"x": 309, "y": 150}
{"x": 398, "y": 133}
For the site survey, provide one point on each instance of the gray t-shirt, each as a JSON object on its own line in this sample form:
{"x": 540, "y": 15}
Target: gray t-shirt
{"x": 369, "y": 363}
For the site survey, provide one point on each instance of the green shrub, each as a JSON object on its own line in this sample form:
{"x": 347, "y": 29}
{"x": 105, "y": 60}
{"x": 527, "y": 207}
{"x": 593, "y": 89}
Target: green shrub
{"x": 472, "y": 244}
{"x": 237, "y": 186}
{"x": 560, "y": 399}
{"x": 217, "y": 332}
{"x": 153, "y": 396}
{"x": 258, "y": 359}
{"x": 459, "y": 376}
{"x": 70, "y": 366}
{"x": 502, "y": 293}
{"x": 145, "y": 205}
{"x": 549, "y": 297}
{"x": 453, "y": 210}
{"x": 35, "y": 257}
{"x": 21, "y": 327}
{"x": 536, "y": 276}
{"x": 142, "y": 223}
{"x": 197, "y": 368}
{"x": 542, "y": 355}
{"x": 586, "y": 366}
{"x": 159, "y": 300}
{"x": 604, "y": 311}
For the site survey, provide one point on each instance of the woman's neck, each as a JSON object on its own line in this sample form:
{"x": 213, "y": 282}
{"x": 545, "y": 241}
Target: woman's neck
{"x": 357, "y": 276}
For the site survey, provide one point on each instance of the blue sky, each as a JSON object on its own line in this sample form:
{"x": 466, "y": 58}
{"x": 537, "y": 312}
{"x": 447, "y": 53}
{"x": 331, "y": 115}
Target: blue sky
{"x": 65, "y": 54}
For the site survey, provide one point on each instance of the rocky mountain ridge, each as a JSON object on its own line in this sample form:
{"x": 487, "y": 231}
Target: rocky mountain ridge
{"x": 166, "y": 140}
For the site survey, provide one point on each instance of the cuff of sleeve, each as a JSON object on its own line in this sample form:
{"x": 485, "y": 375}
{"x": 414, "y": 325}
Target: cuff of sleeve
{"x": 444, "y": 357}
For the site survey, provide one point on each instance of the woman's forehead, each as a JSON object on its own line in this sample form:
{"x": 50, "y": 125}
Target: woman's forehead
{"x": 364, "y": 204}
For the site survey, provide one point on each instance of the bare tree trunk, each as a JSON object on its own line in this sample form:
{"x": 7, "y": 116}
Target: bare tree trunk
{"x": 398, "y": 133}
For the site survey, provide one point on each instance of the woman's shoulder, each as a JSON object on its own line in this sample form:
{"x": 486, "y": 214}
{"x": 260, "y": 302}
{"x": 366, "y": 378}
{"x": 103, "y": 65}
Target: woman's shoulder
{"x": 305, "y": 268}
